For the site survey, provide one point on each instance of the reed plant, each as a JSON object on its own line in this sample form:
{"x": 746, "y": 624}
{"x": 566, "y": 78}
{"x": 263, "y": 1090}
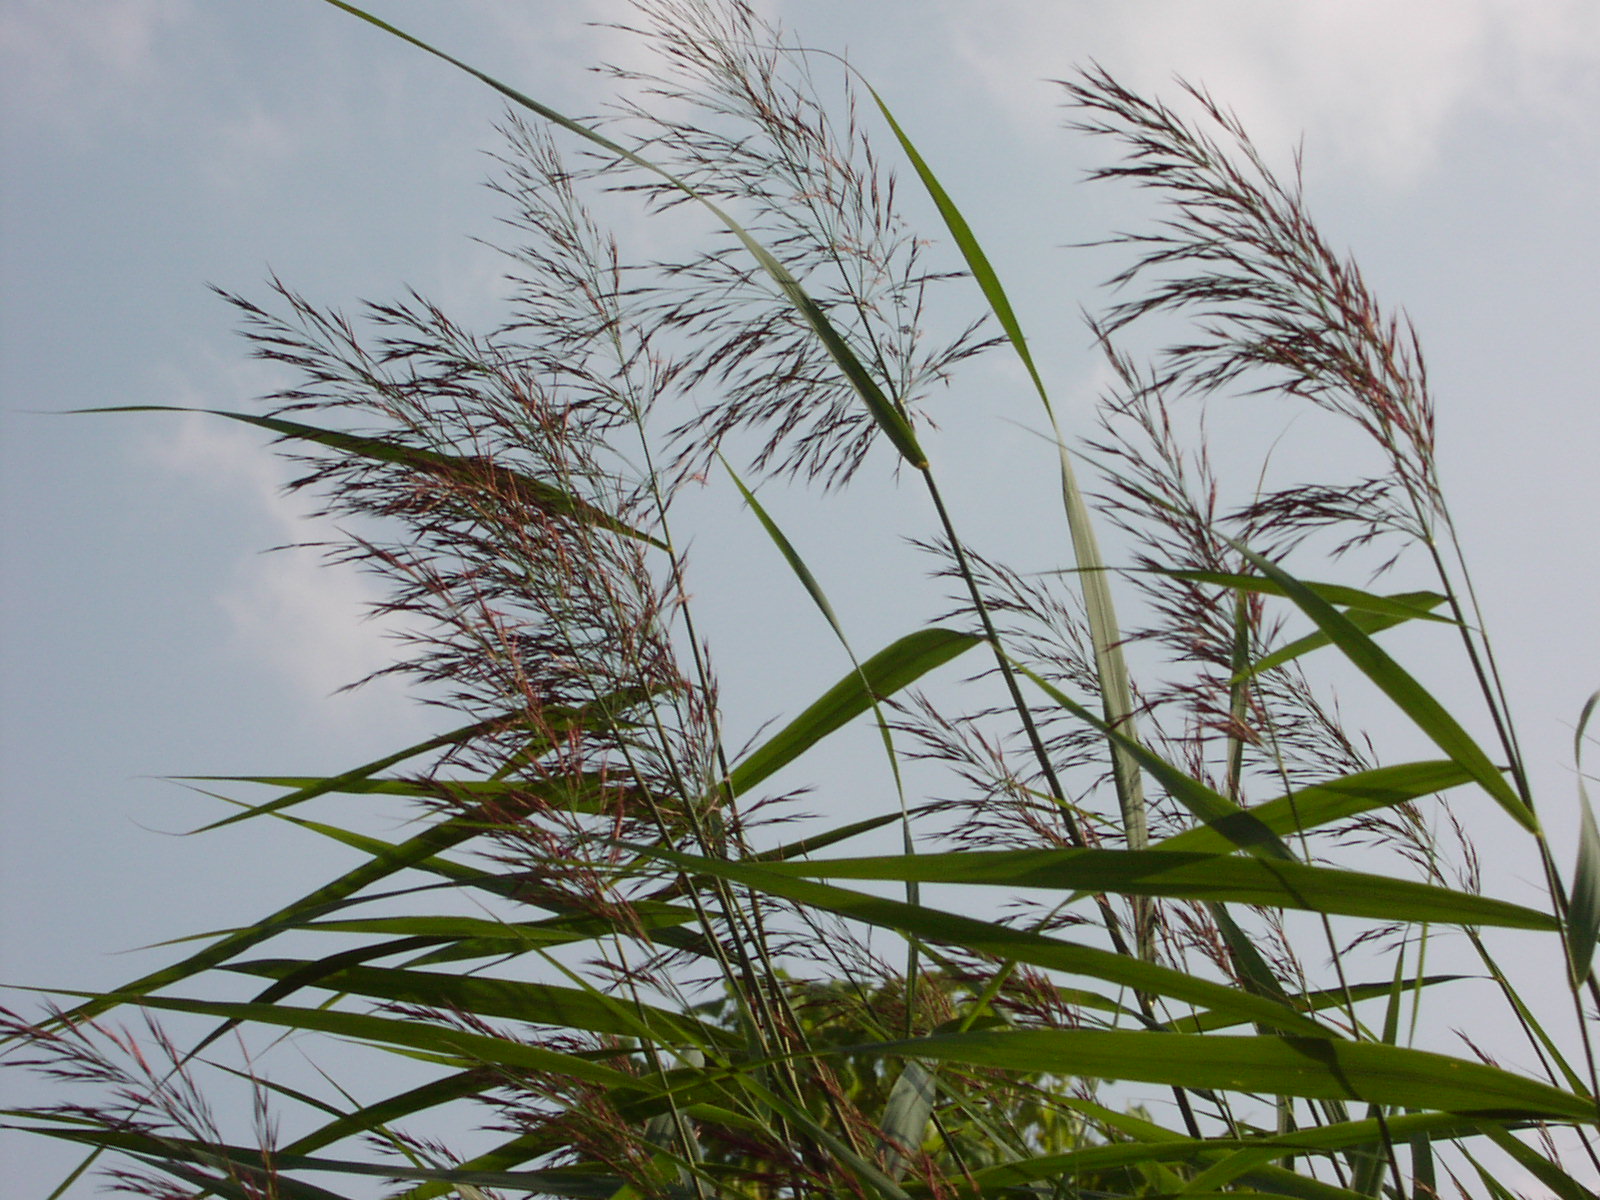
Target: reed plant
{"x": 1183, "y": 918}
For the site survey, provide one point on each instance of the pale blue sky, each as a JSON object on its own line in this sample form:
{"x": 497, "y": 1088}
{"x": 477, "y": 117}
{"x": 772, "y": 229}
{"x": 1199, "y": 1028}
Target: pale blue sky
{"x": 155, "y": 146}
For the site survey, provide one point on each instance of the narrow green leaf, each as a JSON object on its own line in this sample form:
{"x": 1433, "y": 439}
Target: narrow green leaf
{"x": 1333, "y": 800}
{"x": 433, "y": 1094}
{"x": 1317, "y": 1001}
{"x": 553, "y": 722}
{"x": 1313, "y": 1068}
{"x": 1160, "y": 1145}
{"x": 895, "y": 667}
{"x": 386, "y": 861}
{"x": 579, "y": 1183}
{"x": 1369, "y": 623}
{"x": 313, "y": 788}
{"x": 1116, "y": 692}
{"x": 1410, "y": 696}
{"x": 1537, "y": 1165}
{"x": 1217, "y": 878}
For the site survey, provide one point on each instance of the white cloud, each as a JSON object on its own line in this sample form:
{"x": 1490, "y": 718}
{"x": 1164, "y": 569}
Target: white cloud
{"x": 1372, "y": 83}
{"x": 244, "y": 147}
{"x": 66, "y": 62}
{"x": 290, "y": 614}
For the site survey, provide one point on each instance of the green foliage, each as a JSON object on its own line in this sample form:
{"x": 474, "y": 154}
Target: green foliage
{"x": 610, "y": 951}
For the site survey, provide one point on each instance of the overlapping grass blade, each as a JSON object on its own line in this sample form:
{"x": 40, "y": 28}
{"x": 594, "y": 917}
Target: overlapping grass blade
{"x": 1156, "y": 1145}
{"x": 1317, "y": 1001}
{"x": 437, "y": 1043}
{"x": 579, "y": 1183}
{"x": 385, "y": 862}
{"x": 1238, "y": 825}
{"x": 1368, "y": 622}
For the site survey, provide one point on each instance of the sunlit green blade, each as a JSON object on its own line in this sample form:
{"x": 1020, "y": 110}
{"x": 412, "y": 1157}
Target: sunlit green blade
{"x": 895, "y": 667}
{"x": 883, "y": 411}
{"x": 1333, "y": 800}
{"x": 1583, "y": 913}
{"x": 535, "y": 1003}
{"x": 1313, "y": 1068}
{"x": 1219, "y": 878}
{"x": 1409, "y": 695}
{"x": 1005, "y": 943}
{"x": 533, "y": 492}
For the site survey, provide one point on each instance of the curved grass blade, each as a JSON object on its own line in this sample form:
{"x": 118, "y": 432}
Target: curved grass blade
{"x": 1541, "y": 1168}
{"x": 385, "y": 861}
{"x": 579, "y": 1183}
{"x": 1403, "y": 606}
{"x": 1311, "y": 1068}
{"x": 403, "y": 1104}
{"x": 1207, "y": 877}
{"x": 310, "y": 789}
{"x": 894, "y": 425}
{"x": 895, "y": 667}
{"x": 552, "y": 721}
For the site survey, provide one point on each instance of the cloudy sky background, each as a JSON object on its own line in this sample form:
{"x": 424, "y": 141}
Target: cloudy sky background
{"x": 155, "y": 146}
